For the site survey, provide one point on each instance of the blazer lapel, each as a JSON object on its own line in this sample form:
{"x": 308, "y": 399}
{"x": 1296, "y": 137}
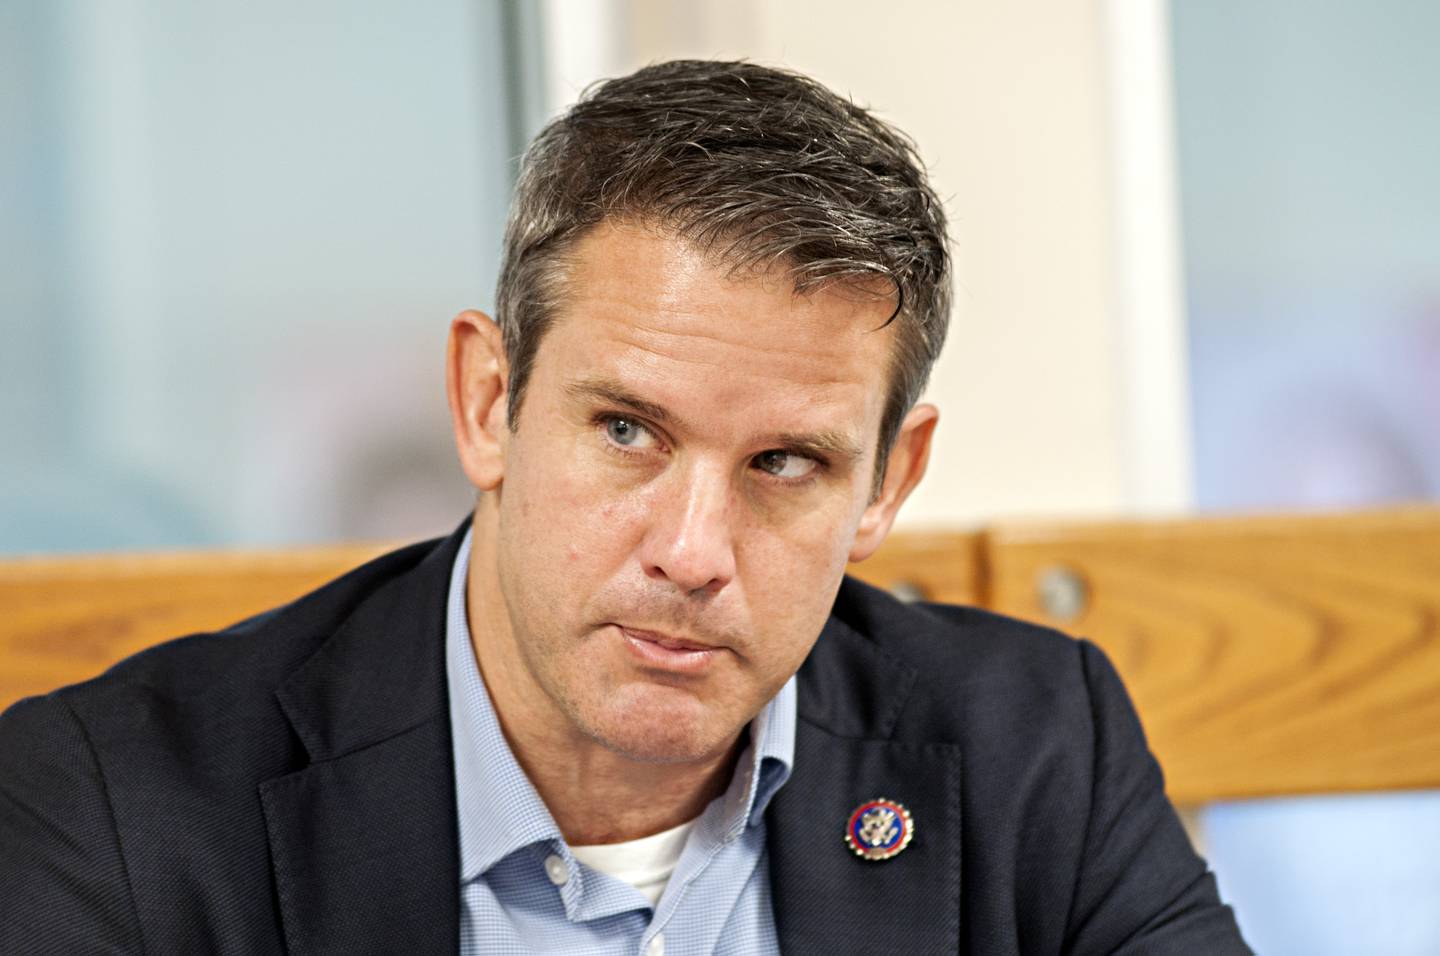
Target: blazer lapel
{"x": 827, "y": 899}
{"x": 363, "y": 841}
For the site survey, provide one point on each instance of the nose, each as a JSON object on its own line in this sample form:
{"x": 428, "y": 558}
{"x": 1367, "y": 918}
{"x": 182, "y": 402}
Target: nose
{"x": 689, "y": 541}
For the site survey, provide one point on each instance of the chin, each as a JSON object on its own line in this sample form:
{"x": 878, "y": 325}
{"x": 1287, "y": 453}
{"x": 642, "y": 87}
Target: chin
{"x": 654, "y": 724}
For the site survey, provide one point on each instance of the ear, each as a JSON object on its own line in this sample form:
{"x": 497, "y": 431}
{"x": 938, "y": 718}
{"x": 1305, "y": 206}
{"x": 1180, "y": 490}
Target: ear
{"x": 477, "y": 384}
{"x": 905, "y": 468}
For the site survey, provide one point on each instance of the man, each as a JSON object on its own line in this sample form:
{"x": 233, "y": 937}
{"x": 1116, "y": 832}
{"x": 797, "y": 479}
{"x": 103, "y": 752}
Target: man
{"x": 633, "y": 706}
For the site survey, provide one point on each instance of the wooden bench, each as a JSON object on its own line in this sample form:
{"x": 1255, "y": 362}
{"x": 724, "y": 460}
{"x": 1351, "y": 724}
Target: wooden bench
{"x": 1266, "y": 655}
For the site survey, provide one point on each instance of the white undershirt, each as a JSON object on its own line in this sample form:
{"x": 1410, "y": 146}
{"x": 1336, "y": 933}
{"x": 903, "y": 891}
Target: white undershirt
{"x": 645, "y": 864}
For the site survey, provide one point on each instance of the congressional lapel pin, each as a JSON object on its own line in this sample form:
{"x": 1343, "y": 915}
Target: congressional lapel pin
{"x": 879, "y": 829}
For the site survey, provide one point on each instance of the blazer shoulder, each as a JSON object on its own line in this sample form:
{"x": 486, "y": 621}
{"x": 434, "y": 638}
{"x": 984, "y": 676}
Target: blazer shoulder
{"x": 162, "y": 694}
{"x": 150, "y": 775}
{"x": 948, "y": 674}
{"x": 262, "y": 648}
{"x": 957, "y": 645}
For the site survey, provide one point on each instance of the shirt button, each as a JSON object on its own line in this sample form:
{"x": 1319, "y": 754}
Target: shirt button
{"x": 657, "y": 945}
{"x": 556, "y": 869}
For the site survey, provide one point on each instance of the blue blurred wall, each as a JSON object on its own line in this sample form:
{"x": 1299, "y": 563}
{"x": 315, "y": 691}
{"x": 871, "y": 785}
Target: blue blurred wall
{"x": 232, "y": 237}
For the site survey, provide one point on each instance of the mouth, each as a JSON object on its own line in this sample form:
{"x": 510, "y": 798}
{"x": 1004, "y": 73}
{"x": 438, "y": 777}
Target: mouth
{"x": 669, "y": 652}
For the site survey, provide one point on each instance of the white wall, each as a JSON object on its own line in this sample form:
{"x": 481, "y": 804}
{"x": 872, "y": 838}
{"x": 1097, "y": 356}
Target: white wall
{"x": 1008, "y": 102}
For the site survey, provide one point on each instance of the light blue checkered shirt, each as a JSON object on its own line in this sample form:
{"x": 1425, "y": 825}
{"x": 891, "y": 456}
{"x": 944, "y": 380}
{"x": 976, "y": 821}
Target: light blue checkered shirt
{"x": 717, "y": 900}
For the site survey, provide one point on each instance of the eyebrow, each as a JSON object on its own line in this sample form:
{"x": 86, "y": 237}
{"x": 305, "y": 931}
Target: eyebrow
{"x": 834, "y": 445}
{"x": 610, "y": 392}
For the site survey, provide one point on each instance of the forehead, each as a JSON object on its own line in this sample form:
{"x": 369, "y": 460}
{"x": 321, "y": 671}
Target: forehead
{"x": 653, "y": 309}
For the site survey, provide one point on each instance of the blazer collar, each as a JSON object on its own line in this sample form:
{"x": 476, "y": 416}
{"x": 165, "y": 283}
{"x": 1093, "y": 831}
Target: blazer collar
{"x": 363, "y": 840}
{"x": 827, "y": 899}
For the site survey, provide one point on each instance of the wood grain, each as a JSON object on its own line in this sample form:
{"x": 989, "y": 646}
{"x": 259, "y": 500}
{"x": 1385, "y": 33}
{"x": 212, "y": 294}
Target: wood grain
{"x": 67, "y": 619}
{"x": 1270, "y": 655}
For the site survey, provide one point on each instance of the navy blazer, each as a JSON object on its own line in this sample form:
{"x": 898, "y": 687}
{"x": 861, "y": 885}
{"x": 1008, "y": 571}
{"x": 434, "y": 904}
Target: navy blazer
{"x": 286, "y": 785}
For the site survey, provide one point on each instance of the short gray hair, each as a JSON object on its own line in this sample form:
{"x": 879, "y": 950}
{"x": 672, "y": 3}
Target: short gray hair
{"x": 756, "y": 165}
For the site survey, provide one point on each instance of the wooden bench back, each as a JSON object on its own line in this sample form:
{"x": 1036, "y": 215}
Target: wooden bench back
{"x": 1268, "y": 655}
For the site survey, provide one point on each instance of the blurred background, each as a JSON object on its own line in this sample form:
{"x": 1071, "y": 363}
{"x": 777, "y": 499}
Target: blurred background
{"x": 1197, "y": 269}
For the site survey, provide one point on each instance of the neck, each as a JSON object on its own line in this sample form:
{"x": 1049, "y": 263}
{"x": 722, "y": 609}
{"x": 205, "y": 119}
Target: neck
{"x": 598, "y": 797}
{"x": 595, "y": 794}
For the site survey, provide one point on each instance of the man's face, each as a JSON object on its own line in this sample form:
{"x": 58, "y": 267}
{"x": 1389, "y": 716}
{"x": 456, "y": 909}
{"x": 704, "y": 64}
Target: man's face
{"x": 681, "y": 493}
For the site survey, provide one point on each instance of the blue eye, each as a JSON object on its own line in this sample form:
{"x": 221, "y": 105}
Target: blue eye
{"x": 627, "y": 433}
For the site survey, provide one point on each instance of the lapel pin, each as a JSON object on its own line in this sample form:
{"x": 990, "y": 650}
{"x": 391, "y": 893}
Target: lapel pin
{"x": 879, "y": 829}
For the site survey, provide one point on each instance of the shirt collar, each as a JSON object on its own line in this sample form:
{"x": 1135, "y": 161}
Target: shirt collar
{"x": 773, "y": 732}
{"x": 487, "y": 775}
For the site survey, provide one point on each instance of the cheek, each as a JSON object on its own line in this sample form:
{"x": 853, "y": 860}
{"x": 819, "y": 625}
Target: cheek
{"x": 570, "y": 511}
{"x": 791, "y": 580}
